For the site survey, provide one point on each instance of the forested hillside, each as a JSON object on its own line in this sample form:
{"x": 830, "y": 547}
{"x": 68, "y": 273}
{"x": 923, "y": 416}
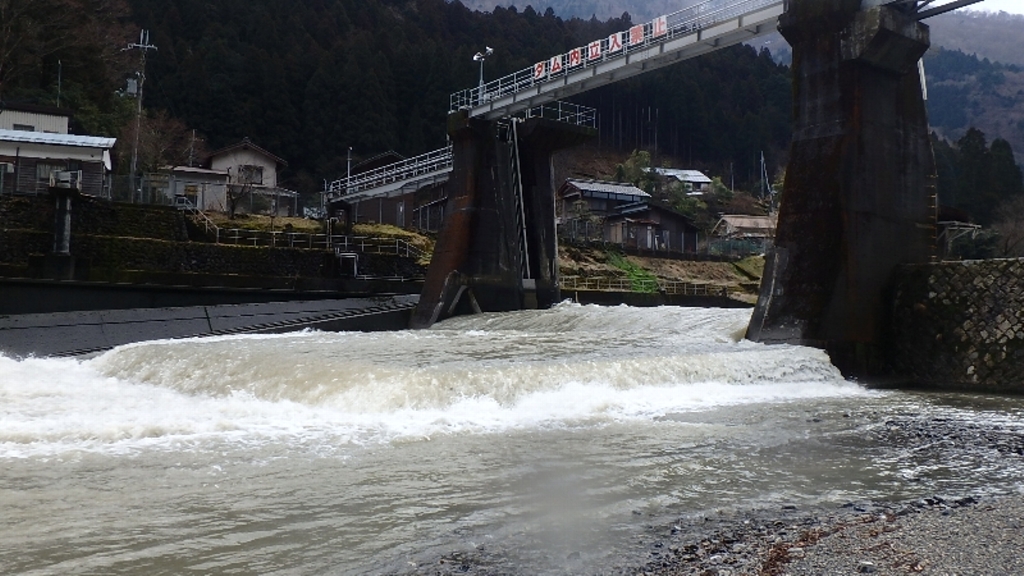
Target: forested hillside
{"x": 965, "y": 92}
{"x": 601, "y": 9}
{"x": 989, "y": 35}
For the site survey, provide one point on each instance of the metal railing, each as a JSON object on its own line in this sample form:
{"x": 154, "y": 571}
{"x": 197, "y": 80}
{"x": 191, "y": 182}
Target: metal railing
{"x": 405, "y": 170}
{"x": 642, "y": 37}
{"x": 615, "y": 284}
{"x": 565, "y": 112}
{"x": 431, "y": 164}
{"x": 302, "y": 240}
{"x": 208, "y": 224}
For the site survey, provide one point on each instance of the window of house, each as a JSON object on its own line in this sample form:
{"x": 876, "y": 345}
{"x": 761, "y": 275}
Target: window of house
{"x": 44, "y": 169}
{"x": 251, "y": 174}
{"x": 24, "y": 128}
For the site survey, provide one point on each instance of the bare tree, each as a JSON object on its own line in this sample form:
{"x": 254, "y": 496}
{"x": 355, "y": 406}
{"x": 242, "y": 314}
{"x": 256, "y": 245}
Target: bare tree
{"x": 33, "y": 30}
{"x": 163, "y": 141}
{"x": 240, "y": 185}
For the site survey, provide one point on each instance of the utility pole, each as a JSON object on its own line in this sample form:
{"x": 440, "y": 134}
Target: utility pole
{"x": 60, "y": 74}
{"x": 192, "y": 150}
{"x": 143, "y": 45}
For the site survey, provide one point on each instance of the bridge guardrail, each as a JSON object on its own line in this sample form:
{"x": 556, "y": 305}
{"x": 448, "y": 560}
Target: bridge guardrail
{"x": 565, "y": 112}
{"x": 614, "y": 284}
{"x": 619, "y": 45}
{"x": 302, "y": 240}
{"x": 431, "y": 163}
{"x": 424, "y": 164}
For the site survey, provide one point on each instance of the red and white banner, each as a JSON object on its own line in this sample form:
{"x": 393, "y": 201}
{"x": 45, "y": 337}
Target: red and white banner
{"x": 596, "y": 50}
{"x": 575, "y": 57}
{"x": 659, "y": 27}
{"x": 636, "y": 35}
{"x": 556, "y": 65}
{"x": 616, "y": 41}
{"x": 540, "y": 69}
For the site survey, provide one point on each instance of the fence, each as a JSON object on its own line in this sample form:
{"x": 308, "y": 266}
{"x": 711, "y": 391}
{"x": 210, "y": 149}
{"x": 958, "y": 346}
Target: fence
{"x": 339, "y": 243}
{"x": 613, "y": 284}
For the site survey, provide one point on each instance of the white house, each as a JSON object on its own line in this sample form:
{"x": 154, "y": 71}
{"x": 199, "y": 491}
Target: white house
{"x": 204, "y": 188}
{"x": 251, "y": 171}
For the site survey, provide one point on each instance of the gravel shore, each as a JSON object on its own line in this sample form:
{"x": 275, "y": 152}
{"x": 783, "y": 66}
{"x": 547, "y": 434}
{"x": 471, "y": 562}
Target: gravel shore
{"x": 933, "y": 536}
{"x": 966, "y": 537}
{"x": 961, "y": 535}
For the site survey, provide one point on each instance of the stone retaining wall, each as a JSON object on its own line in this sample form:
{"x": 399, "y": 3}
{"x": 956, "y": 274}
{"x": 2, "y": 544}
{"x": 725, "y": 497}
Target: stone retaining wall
{"x": 109, "y": 238}
{"x": 90, "y": 216}
{"x": 960, "y": 325}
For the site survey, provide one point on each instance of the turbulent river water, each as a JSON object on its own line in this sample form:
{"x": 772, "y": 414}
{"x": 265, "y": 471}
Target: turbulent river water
{"x": 544, "y": 435}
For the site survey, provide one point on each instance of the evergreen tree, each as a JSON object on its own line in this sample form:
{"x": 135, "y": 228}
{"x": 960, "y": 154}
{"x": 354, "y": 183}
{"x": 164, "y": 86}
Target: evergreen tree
{"x": 973, "y": 193}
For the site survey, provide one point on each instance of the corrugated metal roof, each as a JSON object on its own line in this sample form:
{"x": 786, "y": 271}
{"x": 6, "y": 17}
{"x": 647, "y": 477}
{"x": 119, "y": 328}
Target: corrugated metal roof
{"x": 75, "y": 140}
{"x": 684, "y": 175}
{"x": 744, "y": 225}
{"x": 750, "y": 222}
{"x": 608, "y": 188}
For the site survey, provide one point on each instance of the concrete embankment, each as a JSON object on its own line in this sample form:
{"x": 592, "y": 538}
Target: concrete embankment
{"x": 75, "y": 333}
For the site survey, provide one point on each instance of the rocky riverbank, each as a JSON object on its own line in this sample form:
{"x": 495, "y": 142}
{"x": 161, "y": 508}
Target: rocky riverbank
{"x": 971, "y": 530}
{"x": 967, "y": 536}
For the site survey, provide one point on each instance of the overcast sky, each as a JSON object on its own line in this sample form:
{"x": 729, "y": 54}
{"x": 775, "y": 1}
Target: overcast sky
{"x": 1013, "y": 6}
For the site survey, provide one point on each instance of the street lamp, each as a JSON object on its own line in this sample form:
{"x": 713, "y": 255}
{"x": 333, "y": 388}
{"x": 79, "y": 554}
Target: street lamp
{"x": 481, "y": 57}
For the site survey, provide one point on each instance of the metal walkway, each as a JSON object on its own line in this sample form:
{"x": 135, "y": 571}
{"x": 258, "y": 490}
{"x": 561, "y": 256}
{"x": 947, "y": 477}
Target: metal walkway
{"x": 409, "y": 175}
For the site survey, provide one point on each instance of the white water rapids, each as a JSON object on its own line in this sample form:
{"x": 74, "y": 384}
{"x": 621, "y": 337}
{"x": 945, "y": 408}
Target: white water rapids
{"x": 542, "y": 433}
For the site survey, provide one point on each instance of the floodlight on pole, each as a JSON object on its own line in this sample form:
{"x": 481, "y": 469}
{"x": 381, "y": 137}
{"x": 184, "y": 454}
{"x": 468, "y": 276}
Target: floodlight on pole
{"x": 481, "y": 57}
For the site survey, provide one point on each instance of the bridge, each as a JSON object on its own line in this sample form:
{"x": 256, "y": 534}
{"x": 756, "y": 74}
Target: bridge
{"x": 860, "y": 191}
{"x": 537, "y": 91}
{"x": 687, "y": 33}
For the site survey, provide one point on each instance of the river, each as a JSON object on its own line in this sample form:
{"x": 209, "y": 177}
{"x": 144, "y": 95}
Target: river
{"x": 548, "y": 438}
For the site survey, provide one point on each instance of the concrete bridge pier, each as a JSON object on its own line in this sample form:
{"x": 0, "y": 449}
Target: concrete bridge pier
{"x": 859, "y": 197}
{"x": 478, "y": 263}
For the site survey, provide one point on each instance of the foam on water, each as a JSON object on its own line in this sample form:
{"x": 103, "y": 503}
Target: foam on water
{"x": 570, "y": 366}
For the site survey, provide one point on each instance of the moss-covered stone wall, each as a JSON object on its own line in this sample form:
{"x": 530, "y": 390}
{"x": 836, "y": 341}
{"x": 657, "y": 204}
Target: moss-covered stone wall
{"x": 960, "y": 325}
{"x": 110, "y": 238}
{"x": 95, "y": 217}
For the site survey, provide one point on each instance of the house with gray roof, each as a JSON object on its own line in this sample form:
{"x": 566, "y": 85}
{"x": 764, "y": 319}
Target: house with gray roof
{"x": 621, "y": 213}
{"x": 695, "y": 182}
{"x": 29, "y": 159}
{"x": 597, "y": 197}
